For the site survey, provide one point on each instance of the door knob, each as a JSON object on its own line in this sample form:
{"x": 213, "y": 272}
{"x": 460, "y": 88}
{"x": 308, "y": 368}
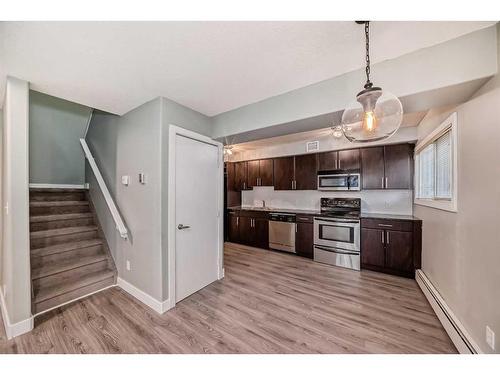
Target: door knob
{"x": 181, "y": 226}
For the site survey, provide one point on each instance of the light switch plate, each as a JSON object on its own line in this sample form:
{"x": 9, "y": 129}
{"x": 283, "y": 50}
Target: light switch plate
{"x": 125, "y": 180}
{"x": 142, "y": 178}
{"x": 128, "y": 265}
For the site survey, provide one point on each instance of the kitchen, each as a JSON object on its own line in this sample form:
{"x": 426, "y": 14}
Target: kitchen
{"x": 351, "y": 225}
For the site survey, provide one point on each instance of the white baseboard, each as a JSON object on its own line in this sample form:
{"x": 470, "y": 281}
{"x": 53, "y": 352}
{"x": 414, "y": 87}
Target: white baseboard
{"x": 452, "y": 325}
{"x": 158, "y": 306}
{"x": 58, "y": 186}
{"x": 16, "y": 329}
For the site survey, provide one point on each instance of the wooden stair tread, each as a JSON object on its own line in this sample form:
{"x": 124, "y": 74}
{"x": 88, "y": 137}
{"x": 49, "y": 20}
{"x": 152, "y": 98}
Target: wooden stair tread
{"x": 57, "y": 203}
{"x": 57, "y": 190}
{"x": 67, "y": 265}
{"x": 62, "y": 231}
{"x": 56, "y": 217}
{"x": 63, "y": 247}
{"x": 70, "y": 285}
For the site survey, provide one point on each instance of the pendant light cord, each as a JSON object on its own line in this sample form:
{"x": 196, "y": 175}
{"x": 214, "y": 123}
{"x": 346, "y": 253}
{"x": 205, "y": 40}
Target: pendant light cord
{"x": 367, "y": 69}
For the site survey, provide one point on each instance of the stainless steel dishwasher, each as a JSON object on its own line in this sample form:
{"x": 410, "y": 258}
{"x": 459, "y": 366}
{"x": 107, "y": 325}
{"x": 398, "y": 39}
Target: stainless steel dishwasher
{"x": 282, "y": 229}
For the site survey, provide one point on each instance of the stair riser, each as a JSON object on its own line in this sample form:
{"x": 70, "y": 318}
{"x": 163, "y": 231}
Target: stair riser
{"x": 44, "y": 197}
{"x": 55, "y": 240}
{"x": 52, "y": 302}
{"x": 54, "y": 210}
{"x": 62, "y": 277}
{"x": 38, "y": 261}
{"x": 56, "y": 224}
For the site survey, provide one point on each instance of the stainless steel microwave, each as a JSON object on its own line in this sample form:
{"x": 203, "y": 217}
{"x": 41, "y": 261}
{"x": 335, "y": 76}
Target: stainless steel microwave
{"x": 339, "y": 181}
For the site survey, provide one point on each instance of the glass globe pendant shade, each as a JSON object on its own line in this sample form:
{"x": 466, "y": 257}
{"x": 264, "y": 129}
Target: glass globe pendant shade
{"x": 374, "y": 115}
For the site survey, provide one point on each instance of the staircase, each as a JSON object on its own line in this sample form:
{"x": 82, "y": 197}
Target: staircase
{"x": 69, "y": 255}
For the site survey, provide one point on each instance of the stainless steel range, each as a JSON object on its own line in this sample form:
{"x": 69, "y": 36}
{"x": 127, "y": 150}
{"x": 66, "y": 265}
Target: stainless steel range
{"x": 337, "y": 232}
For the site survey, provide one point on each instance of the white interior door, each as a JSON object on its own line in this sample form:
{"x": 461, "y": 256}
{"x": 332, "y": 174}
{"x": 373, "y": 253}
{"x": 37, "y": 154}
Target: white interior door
{"x": 196, "y": 208}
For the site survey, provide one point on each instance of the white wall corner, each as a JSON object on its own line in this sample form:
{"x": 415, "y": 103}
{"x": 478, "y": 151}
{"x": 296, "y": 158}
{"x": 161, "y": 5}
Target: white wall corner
{"x": 454, "y": 328}
{"x": 16, "y": 329}
{"x": 159, "y": 306}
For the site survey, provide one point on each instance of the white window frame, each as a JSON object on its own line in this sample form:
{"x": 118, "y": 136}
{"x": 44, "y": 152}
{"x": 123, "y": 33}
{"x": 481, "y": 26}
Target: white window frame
{"x": 450, "y": 124}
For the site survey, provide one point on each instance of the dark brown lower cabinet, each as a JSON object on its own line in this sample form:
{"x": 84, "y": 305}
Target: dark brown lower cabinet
{"x": 304, "y": 237}
{"x": 261, "y": 233}
{"x": 372, "y": 247}
{"x": 233, "y": 227}
{"x": 249, "y": 228}
{"x": 391, "y": 246}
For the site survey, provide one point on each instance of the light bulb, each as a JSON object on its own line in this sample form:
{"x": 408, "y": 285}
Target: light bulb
{"x": 369, "y": 121}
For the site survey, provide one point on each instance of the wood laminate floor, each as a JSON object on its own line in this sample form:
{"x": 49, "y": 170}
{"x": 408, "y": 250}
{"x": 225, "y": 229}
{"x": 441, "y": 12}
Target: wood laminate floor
{"x": 268, "y": 302}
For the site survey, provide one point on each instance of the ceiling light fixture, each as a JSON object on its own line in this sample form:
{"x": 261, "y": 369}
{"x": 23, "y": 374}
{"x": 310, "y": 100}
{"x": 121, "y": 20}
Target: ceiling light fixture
{"x": 337, "y": 131}
{"x": 228, "y": 150}
{"x": 375, "y": 114}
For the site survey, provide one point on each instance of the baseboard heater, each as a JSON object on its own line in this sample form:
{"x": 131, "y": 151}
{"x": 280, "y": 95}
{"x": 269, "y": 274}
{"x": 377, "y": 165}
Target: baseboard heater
{"x": 458, "y": 335}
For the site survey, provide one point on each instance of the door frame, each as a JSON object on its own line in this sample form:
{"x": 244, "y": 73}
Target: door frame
{"x": 174, "y": 131}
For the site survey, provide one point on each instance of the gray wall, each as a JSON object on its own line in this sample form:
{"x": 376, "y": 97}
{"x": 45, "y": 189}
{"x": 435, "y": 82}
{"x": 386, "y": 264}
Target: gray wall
{"x": 461, "y": 253}
{"x": 16, "y": 280}
{"x": 56, "y": 125}
{"x": 127, "y": 145}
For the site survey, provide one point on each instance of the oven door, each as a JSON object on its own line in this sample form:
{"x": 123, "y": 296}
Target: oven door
{"x": 338, "y": 233}
{"x": 333, "y": 182}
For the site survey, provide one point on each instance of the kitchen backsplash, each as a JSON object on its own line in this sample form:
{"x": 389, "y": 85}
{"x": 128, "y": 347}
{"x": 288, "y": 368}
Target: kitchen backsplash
{"x": 396, "y": 202}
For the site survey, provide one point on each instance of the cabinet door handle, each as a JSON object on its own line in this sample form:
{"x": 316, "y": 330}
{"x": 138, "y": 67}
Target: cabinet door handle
{"x": 382, "y": 182}
{"x": 244, "y": 185}
{"x": 387, "y": 234}
{"x": 237, "y": 221}
{"x": 338, "y": 163}
{"x": 386, "y": 183}
{"x": 382, "y": 236}
{"x": 295, "y": 228}
{"x": 385, "y": 225}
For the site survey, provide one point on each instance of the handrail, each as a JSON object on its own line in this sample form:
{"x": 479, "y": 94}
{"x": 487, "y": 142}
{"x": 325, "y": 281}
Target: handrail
{"x": 120, "y": 226}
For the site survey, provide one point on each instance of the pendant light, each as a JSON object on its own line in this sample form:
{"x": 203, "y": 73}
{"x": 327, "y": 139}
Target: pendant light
{"x": 375, "y": 114}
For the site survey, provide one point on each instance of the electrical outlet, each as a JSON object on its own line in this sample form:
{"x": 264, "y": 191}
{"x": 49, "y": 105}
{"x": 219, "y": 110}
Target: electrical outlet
{"x": 490, "y": 337}
{"x": 128, "y": 265}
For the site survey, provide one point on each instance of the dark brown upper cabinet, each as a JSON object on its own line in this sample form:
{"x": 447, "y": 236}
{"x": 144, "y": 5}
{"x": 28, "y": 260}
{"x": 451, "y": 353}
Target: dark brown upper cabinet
{"x": 260, "y": 172}
{"x": 348, "y": 159}
{"x": 296, "y": 172}
{"x": 344, "y": 159}
{"x": 284, "y": 173}
{"x": 327, "y": 161}
{"x": 372, "y": 167}
{"x": 306, "y": 172}
{"x": 253, "y": 170}
{"x": 387, "y": 167}
{"x": 240, "y": 176}
{"x": 398, "y": 166}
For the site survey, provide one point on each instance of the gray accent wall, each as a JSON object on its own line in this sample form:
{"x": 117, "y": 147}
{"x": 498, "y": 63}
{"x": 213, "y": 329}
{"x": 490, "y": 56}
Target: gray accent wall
{"x": 56, "y": 126}
{"x": 129, "y": 145}
{"x": 134, "y": 143}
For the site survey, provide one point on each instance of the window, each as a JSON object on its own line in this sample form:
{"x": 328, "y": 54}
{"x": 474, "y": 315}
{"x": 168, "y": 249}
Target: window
{"x": 435, "y": 167}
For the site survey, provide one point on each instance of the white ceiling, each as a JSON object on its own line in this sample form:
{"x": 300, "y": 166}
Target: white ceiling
{"x": 211, "y": 67}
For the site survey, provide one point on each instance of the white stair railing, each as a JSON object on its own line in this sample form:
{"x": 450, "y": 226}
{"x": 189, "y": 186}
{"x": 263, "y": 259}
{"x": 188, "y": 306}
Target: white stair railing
{"x": 120, "y": 226}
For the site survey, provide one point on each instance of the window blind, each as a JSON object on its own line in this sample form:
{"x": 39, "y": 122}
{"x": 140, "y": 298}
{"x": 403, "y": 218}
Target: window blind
{"x": 426, "y": 183}
{"x": 443, "y": 166}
